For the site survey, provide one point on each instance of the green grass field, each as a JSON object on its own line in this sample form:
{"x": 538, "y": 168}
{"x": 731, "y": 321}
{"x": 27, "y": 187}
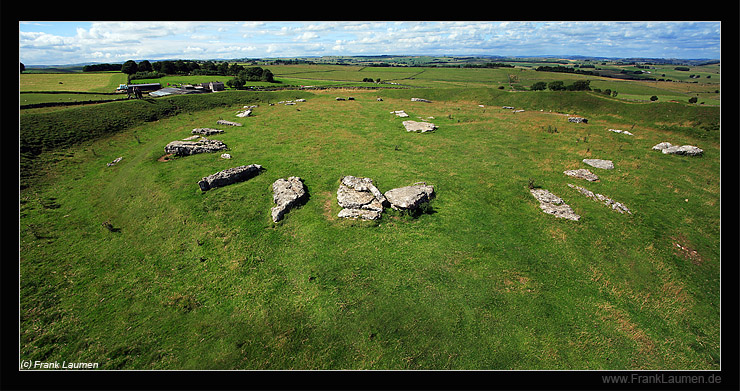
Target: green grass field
{"x": 481, "y": 280}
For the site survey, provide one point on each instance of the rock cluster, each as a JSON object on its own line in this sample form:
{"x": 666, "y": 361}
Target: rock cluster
{"x": 606, "y": 200}
{"x": 286, "y": 193}
{"x": 577, "y": 120}
{"x": 583, "y": 174}
{"x": 206, "y": 131}
{"x": 599, "y": 163}
{"x": 554, "y": 205}
{"x": 359, "y": 198}
{"x": 415, "y": 126}
{"x": 688, "y": 150}
{"x": 229, "y": 176}
{"x": 186, "y": 148}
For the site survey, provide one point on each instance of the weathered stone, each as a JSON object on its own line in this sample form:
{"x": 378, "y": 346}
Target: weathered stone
{"x": 662, "y": 146}
{"x": 517, "y": 111}
{"x": 245, "y": 113}
{"x": 415, "y": 126}
{"x": 359, "y": 214}
{"x": 186, "y": 148}
{"x": 508, "y": 107}
{"x": 338, "y": 98}
{"x": 191, "y": 138}
{"x": 206, "y": 131}
{"x": 599, "y": 163}
{"x": 421, "y": 100}
{"x": 359, "y": 194}
{"x": 116, "y": 160}
{"x": 225, "y": 156}
{"x": 583, "y": 174}
{"x": 229, "y": 123}
{"x": 400, "y": 113}
{"x": 554, "y": 205}
{"x": 620, "y": 131}
{"x": 577, "y": 120}
{"x": 688, "y": 150}
{"x": 229, "y": 176}
{"x": 286, "y": 193}
{"x": 619, "y": 207}
{"x": 410, "y": 197}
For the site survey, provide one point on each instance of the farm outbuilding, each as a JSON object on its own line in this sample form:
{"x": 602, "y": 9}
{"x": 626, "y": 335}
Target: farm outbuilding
{"x": 214, "y": 86}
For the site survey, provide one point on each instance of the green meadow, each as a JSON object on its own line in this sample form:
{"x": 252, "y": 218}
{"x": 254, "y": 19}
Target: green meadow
{"x": 132, "y": 266}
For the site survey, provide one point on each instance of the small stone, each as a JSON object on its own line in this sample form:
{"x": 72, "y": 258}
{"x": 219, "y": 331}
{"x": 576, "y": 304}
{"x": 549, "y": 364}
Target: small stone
{"x": 229, "y": 123}
{"x": 420, "y": 100}
{"x": 577, "y": 120}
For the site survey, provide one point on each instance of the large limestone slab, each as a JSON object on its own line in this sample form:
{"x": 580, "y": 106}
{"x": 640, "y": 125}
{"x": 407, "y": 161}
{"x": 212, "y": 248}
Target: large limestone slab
{"x": 410, "y": 197}
{"x": 599, "y": 163}
{"x": 688, "y": 150}
{"x": 186, "y": 148}
{"x": 286, "y": 193}
{"x": 229, "y": 123}
{"x": 229, "y": 176}
{"x": 416, "y": 126}
{"x": 206, "y": 131}
{"x": 583, "y": 174}
{"x": 554, "y": 205}
{"x": 619, "y": 207}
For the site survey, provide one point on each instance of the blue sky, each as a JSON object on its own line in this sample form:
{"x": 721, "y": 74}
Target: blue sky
{"x": 59, "y": 43}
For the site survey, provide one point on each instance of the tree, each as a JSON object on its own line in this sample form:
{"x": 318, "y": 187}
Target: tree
{"x": 693, "y": 99}
{"x": 653, "y": 98}
{"x": 129, "y": 67}
{"x": 22, "y": 67}
{"x": 556, "y": 86}
{"x": 539, "y": 86}
{"x": 145, "y": 66}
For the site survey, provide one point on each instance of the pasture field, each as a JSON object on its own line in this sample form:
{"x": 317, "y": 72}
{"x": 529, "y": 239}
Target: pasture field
{"x": 482, "y": 279}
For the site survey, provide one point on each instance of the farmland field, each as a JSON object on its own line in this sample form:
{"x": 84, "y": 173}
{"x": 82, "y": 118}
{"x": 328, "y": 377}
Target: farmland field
{"x": 134, "y": 267}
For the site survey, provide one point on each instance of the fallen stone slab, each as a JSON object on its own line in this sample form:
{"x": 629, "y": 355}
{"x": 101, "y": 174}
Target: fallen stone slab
{"x": 191, "y": 138}
{"x": 583, "y": 174}
{"x": 554, "y": 205}
{"x": 599, "y": 163}
{"x": 359, "y": 194}
{"x": 508, "y": 107}
{"x": 400, "y": 113}
{"x": 619, "y": 207}
{"x": 359, "y": 214}
{"x": 286, "y": 193}
{"x": 421, "y": 127}
{"x": 186, "y": 148}
{"x": 229, "y": 123}
{"x": 687, "y": 150}
{"x": 245, "y": 113}
{"x": 517, "y": 111}
{"x": 229, "y": 176}
{"x": 421, "y": 100}
{"x": 410, "y": 197}
{"x": 577, "y": 120}
{"x": 116, "y": 160}
{"x": 620, "y": 131}
{"x": 206, "y": 131}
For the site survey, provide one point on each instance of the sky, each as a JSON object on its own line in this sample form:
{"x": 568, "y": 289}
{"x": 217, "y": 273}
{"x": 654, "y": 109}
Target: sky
{"x": 69, "y": 42}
